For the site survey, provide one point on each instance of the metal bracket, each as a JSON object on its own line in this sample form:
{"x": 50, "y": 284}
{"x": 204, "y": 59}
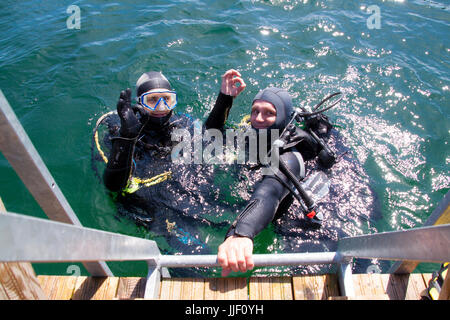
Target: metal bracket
{"x": 345, "y": 277}
{"x": 154, "y": 275}
{"x": 153, "y": 279}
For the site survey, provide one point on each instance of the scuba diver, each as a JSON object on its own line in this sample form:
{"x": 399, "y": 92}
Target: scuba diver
{"x": 272, "y": 109}
{"x": 134, "y": 141}
{"x": 147, "y": 123}
{"x": 177, "y": 203}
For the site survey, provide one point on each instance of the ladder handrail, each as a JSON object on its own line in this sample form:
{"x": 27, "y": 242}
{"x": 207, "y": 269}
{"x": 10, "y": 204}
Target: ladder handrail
{"x": 25, "y": 238}
{"x": 22, "y": 238}
{"x": 425, "y": 244}
{"x": 440, "y": 215}
{"x": 260, "y": 260}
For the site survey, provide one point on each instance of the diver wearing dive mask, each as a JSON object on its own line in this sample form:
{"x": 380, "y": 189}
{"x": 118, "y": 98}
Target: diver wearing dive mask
{"x": 150, "y": 117}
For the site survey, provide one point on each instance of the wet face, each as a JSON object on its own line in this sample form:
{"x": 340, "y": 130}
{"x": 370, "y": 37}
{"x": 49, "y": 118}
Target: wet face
{"x": 263, "y": 114}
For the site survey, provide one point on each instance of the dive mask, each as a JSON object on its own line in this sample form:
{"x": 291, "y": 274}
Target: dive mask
{"x": 159, "y": 98}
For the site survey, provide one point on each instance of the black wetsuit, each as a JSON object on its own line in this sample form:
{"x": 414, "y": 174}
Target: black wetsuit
{"x": 271, "y": 191}
{"x": 182, "y": 210}
{"x": 154, "y": 140}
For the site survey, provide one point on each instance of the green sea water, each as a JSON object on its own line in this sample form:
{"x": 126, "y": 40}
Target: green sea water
{"x": 391, "y": 63}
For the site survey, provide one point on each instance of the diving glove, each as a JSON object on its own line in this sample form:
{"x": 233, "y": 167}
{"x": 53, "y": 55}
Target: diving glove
{"x": 130, "y": 125}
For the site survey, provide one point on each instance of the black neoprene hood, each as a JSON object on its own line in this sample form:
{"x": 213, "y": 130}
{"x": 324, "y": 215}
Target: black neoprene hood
{"x": 282, "y": 102}
{"x": 151, "y": 80}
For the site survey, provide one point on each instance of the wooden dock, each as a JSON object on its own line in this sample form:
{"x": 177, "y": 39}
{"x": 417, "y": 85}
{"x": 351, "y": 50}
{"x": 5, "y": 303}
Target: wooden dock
{"x": 306, "y": 287}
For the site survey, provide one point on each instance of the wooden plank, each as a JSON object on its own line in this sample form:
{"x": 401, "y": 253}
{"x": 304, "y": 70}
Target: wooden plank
{"x": 239, "y": 290}
{"x": 171, "y": 289}
{"x": 108, "y": 289}
{"x": 211, "y": 288}
{"x": 81, "y": 287}
{"x": 182, "y": 289}
{"x": 403, "y": 286}
{"x": 282, "y": 288}
{"x": 254, "y": 289}
{"x": 131, "y": 288}
{"x": 376, "y": 285}
{"x": 18, "y": 280}
{"x": 377, "y": 297}
{"x": 331, "y": 287}
{"x": 226, "y": 289}
{"x": 47, "y": 284}
{"x": 2, "y": 206}
{"x": 301, "y": 290}
{"x": 394, "y": 286}
{"x": 66, "y": 287}
{"x": 315, "y": 287}
{"x": 414, "y": 286}
{"x": 176, "y": 289}
{"x": 58, "y": 287}
{"x": 164, "y": 293}
{"x": 96, "y": 288}
{"x": 278, "y": 288}
{"x": 193, "y": 289}
{"x": 3, "y": 293}
{"x": 368, "y": 285}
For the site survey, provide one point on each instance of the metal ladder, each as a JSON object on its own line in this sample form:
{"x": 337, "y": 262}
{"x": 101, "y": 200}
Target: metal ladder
{"x": 29, "y": 239}
{"x": 64, "y": 239}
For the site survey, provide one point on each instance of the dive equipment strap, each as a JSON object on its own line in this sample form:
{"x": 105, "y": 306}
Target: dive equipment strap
{"x": 435, "y": 284}
{"x": 314, "y": 121}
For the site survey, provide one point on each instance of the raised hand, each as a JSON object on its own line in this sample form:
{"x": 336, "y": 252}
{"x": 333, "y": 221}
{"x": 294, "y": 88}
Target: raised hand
{"x": 129, "y": 123}
{"x": 232, "y": 83}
